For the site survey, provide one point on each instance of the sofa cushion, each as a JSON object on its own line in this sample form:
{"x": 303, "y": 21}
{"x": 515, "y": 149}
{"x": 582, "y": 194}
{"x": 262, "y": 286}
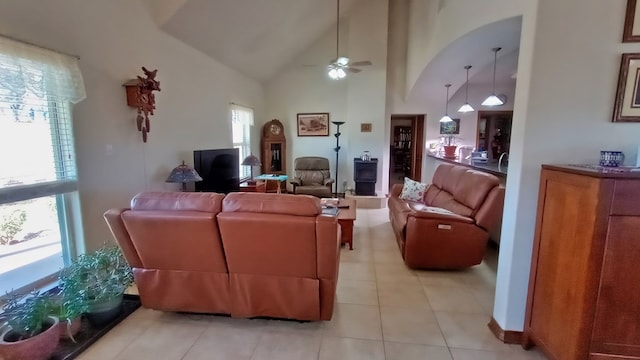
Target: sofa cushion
{"x": 284, "y": 204}
{"x": 413, "y": 190}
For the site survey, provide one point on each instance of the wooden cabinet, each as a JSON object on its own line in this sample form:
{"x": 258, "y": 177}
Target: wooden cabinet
{"x": 274, "y": 153}
{"x": 584, "y": 287}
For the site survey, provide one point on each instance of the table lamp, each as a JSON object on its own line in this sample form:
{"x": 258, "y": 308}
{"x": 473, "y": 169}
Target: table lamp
{"x": 251, "y": 161}
{"x": 183, "y": 174}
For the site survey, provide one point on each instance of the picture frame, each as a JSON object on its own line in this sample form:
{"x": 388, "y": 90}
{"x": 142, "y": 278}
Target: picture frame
{"x": 627, "y": 101}
{"x": 365, "y": 127}
{"x": 631, "y": 32}
{"x": 313, "y": 124}
{"x": 452, "y": 127}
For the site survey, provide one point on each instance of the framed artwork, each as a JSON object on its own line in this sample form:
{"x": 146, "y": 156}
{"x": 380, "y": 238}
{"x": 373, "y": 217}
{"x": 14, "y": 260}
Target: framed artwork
{"x": 452, "y": 127}
{"x": 365, "y": 127}
{"x": 627, "y": 102}
{"x": 313, "y": 124}
{"x": 631, "y": 32}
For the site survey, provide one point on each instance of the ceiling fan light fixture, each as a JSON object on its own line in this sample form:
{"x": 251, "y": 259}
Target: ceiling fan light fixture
{"x": 342, "y": 61}
{"x": 493, "y": 100}
{"x": 466, "y": 107}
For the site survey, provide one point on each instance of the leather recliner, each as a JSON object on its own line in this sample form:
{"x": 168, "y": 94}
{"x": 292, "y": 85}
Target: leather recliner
{"x": 450, "y": 227}
{"x": 312, "y": 176}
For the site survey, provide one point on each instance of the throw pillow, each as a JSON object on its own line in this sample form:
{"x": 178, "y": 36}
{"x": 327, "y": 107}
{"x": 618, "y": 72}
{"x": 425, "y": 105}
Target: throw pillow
{"x": 413, "y": 190}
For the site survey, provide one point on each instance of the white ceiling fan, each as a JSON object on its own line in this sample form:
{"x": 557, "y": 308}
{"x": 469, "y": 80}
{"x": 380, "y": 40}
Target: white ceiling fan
{"x": 338, "y": 66}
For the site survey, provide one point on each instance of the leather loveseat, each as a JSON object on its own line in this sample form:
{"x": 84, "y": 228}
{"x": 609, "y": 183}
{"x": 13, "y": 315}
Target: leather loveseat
{"x": 243, "y": 254}
{"x": 450, "y": 227}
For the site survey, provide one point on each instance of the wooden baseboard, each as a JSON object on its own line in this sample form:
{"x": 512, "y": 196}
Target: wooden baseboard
{"x": 507, "y": 337}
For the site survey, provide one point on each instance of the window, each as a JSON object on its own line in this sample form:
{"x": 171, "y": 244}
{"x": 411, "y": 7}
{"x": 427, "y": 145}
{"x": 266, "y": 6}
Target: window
{"x": 242, "y": 121}
{"x": 38, "y": 183}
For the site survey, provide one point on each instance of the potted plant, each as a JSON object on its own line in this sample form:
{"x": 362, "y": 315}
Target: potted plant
{"x": 68, "y": 308}
{"x": 28, "y": 331}
{"x": 99, "y": 280}
{"x": 449, "y": 145}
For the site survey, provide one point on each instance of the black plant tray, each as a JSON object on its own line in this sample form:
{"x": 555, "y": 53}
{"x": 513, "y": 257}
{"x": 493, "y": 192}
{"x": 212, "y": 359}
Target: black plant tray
{"x": 89, "y": 334}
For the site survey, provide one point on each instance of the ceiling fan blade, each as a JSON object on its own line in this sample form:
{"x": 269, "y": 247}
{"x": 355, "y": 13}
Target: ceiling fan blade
{"x": 361, "y": 63}
{"x": 353, "y": 70}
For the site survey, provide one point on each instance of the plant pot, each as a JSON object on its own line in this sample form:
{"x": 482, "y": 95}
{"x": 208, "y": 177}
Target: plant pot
{"x": 450, "y": 151}
{"x": 102, "y": 312}
{"x": 68, "y": 330}
{"x": 39, "y": 347}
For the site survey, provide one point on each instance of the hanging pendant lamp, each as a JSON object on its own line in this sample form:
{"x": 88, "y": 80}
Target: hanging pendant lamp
{"x": 465, "y": 108}
{"x": 493, "y": 100}
{"x": 446, "y": 118}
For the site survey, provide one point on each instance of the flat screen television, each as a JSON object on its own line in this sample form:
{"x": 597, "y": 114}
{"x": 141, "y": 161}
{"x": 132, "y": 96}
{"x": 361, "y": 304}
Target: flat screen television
{"x": 219, "y": 169}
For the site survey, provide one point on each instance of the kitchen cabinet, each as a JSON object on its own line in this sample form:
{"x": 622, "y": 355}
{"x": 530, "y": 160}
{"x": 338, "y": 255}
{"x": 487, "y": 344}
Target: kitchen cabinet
{"x": 584, "y": 288}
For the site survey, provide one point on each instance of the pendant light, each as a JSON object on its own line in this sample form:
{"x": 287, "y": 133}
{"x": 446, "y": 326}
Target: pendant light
{"x": 446, "y": 118}
{"x": 466, "y": 107}
{"x": 493, "y": 100}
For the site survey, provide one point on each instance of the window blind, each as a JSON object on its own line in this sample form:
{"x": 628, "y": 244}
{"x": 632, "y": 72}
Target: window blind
{"x": 36, "y": 135}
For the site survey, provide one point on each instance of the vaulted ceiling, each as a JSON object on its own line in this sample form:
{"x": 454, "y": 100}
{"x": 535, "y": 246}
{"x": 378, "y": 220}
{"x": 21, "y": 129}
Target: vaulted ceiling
{"x": 259, "y": 38}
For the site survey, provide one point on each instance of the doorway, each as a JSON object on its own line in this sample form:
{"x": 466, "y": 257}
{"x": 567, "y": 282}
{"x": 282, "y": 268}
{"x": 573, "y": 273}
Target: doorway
{"x": 494, "y": 132}
{"x": 405, "y": 153}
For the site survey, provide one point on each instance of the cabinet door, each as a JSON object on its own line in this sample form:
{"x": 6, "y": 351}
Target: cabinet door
{"x": 617, "y": 322}
{"x": 562, "y": 288}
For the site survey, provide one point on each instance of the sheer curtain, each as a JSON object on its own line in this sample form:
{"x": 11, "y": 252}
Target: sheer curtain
{"x": 30, "y": 68}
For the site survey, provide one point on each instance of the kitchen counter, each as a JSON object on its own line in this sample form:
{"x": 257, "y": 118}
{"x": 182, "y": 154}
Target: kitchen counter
{"x": 490, "y": 167}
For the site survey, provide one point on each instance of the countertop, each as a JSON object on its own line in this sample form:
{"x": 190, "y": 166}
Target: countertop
{"x": 490, "y": 167}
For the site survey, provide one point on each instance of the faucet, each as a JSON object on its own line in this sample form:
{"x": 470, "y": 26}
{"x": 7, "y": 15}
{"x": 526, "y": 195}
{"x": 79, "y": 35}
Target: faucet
{"x": 500, "y": 160}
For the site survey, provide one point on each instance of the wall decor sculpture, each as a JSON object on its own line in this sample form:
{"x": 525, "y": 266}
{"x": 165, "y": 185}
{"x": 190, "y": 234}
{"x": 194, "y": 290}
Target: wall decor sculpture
{"x": 140, "y": 95}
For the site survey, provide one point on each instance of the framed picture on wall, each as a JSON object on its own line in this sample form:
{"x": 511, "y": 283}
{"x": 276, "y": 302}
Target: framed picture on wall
{"x": 631, "y": 32}
{"x": 627, "y": 102}
{"x": 313, "y": 124}
{"x": 452, "y": 127}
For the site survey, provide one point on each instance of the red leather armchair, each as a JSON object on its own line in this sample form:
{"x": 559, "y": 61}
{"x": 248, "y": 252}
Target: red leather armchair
{"x": 450, "y": 228}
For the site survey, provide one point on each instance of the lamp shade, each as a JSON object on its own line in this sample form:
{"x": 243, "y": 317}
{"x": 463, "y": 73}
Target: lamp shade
{"x": 183, "y": 174}
{"x": 251, "y": 160}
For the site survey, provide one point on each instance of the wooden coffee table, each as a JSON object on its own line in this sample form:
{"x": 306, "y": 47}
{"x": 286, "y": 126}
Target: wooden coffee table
{"x": 346, "y": 216}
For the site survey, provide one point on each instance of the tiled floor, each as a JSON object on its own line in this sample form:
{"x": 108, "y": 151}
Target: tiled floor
{"x": 384, "y": 311}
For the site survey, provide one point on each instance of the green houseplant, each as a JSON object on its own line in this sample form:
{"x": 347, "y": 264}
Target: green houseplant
{"x": 28, "y": 331}
{"x": 68, "y": 308}
{"x": 98, "y": 280}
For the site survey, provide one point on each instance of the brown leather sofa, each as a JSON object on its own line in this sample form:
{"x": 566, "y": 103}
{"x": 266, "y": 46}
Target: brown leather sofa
{"x": 243, "y": 254}
{"x": 449, "y": 229}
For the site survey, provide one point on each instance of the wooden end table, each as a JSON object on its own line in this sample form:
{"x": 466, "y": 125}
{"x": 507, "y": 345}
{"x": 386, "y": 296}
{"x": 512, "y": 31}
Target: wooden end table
{"x": 346, "y": 216}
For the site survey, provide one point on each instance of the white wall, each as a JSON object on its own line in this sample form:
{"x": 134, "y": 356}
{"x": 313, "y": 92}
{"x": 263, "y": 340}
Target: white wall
{"x": 359, "y": 98}
{"x": 114, "y": 39}
{"x": 562, "y": 115}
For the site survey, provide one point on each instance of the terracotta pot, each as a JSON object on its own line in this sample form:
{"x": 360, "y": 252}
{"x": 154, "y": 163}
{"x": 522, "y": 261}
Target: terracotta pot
{"x": 39, "y": 347}
{"x": 450, "y": 151}
{"x": 69, "y": 330}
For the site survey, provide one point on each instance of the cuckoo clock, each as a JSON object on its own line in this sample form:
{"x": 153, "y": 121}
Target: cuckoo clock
{"x": 140, "y": 95}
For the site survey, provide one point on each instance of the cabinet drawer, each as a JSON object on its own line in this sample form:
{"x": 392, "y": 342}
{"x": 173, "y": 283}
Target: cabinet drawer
{"x": 626, "y": 198}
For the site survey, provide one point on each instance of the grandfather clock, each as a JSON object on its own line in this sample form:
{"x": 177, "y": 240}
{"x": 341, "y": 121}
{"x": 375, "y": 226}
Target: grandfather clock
{"x": 274, "y": 153}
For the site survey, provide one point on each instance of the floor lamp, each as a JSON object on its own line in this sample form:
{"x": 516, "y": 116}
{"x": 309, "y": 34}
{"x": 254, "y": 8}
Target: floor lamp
{"x": 337, "y": 150}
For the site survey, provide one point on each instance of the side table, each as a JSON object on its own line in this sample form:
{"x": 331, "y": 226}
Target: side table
{"x": 267, "y": 177}
{"x": 259, "y": 186}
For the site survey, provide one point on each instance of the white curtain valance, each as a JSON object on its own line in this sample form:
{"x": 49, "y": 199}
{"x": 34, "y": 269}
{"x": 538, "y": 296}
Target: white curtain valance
{"x": 241, "y": 115}
{"x": 25, "y": 67}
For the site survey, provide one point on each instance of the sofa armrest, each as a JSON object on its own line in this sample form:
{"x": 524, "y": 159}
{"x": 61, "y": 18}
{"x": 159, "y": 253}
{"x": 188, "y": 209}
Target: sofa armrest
{"x": 396, "y": 190}
{"x": 113, "y": 217}
{"x": 328, "y": 182}
{"x": 427, "y": 212}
